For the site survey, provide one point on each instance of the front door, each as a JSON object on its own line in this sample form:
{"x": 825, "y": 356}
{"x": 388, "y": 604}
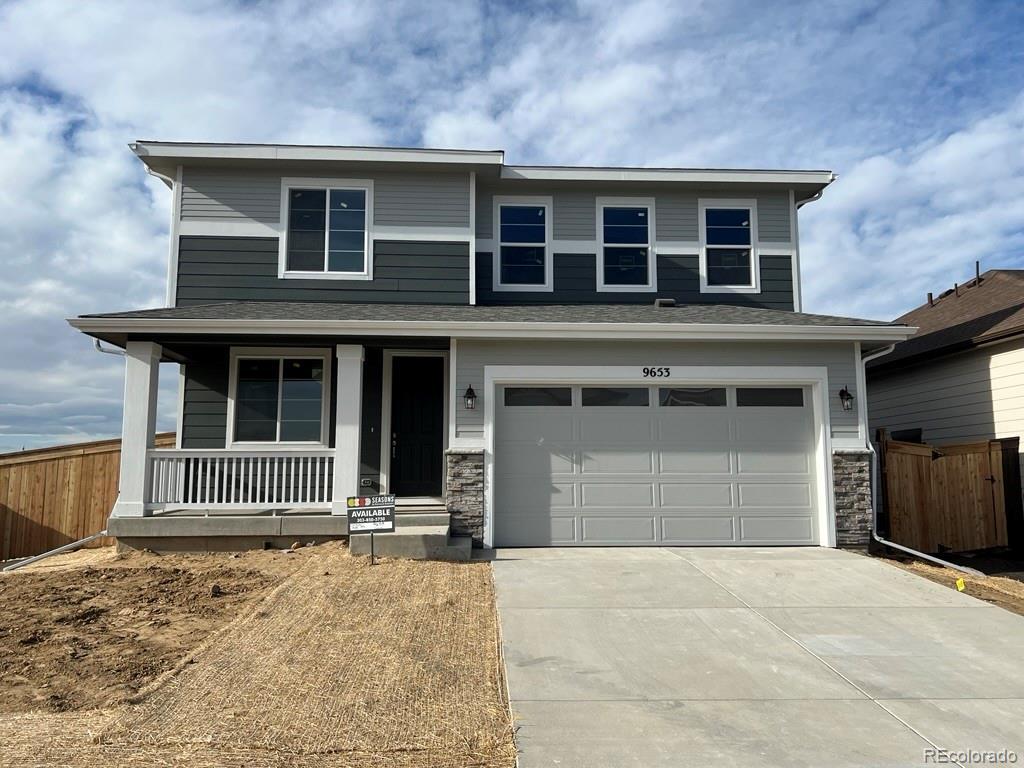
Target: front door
{"x": 417, "y": 426}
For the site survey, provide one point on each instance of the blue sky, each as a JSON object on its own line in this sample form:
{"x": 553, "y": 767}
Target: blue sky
{"x": 918, "y": 106}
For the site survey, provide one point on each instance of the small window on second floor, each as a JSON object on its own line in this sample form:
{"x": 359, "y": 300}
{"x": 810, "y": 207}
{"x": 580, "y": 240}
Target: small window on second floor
{"x": 327, "y": 231}
{"x": 625, "y": 247}
{"x": 728, "y": 252}
{"x": 523, "y": 245}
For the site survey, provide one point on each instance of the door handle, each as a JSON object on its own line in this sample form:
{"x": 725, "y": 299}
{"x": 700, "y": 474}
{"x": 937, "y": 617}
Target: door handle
{"x": 394, "y": 444}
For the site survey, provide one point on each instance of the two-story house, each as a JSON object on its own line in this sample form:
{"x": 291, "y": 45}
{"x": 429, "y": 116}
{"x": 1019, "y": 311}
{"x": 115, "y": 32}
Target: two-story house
{"x": 532, "y": 355}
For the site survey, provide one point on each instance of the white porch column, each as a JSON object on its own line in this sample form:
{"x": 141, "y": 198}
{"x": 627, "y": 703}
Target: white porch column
{"x": 348, "y": 415}
{"x": 141, "y": 377}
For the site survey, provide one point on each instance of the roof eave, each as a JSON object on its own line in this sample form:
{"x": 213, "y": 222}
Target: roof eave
{"x": 816, "y": 179}
{"x": 493, "y": 330}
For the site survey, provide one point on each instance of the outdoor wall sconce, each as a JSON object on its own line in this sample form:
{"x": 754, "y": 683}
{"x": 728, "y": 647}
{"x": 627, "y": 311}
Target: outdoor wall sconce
{"x": 846, "y": 399}
{"x": 470, "y": 398}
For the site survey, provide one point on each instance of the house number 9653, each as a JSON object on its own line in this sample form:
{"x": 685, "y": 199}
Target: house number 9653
{"x": 657, "y": 373}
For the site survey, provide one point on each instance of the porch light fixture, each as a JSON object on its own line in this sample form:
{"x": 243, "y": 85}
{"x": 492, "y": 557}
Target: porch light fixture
{"x": 846, "y": 399}
{"x": 470, "y": 398}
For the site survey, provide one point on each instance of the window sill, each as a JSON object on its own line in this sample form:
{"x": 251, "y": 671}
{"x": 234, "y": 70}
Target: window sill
{"x": 730, "y": 289}
{"x": 539, "y": 288}
{"x": 325, "y": 276}
{"x": 626, "y": 288}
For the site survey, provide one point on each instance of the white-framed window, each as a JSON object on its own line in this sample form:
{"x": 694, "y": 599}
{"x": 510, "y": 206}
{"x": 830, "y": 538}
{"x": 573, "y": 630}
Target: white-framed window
{"x": 625, "y": 248}
{"x": 728, "y": 246}
{"x": 522, "y": 247}
{"x": 279, "y": 396}
{"x": 326, "y": 229}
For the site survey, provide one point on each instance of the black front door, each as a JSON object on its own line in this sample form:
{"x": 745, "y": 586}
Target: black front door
{"x": 417, "y": 426}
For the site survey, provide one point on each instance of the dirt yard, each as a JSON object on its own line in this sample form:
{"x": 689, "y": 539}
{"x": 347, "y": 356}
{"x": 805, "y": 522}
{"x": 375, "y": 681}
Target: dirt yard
{"x": 1005, "y": 592}
{"x": 261, "y": 659}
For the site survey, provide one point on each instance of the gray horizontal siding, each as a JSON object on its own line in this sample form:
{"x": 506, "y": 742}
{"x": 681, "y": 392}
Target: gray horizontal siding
{"x": 230, "y": 194}
{"x": 212, "y": 269}
{"x": 473, "y": 355}
{"x": 575, "y": 210}
{"x": 575, "y": 282}
{"x": 400, "y": 199}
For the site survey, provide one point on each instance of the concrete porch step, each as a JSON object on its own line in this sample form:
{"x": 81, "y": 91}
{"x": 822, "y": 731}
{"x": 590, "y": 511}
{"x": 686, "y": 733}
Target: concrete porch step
{"x": 418, "y": 519}
{"x": 415, "y": 542}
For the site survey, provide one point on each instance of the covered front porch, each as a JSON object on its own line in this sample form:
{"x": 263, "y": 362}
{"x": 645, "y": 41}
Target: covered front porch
{"x": 272, "y": 439}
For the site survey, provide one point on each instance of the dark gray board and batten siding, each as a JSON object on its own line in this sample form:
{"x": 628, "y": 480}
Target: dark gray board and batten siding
{"x": 216, "y": 269}
{"x": 575, "y": 282}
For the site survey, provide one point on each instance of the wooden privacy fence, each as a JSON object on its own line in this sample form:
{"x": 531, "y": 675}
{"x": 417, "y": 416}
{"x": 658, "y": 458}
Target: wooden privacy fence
{"x": 53, "y": 496}
{"x": 951, "y": 498}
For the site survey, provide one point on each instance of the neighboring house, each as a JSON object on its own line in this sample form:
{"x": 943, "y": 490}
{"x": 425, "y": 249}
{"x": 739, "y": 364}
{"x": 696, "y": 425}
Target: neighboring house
{"x": 961, "y": 378}
{"x": 549, "y": 355}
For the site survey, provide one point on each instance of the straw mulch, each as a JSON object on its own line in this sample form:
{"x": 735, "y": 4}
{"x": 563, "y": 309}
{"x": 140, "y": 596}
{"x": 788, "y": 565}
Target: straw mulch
{"x": 342, "y": 664}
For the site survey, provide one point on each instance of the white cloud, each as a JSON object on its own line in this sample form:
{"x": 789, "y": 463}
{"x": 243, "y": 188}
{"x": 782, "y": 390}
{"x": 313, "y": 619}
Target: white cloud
{"x": 915, "y": 104}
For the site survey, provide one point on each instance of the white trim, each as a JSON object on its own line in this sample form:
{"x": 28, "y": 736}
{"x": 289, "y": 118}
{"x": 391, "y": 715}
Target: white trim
{"x": 422, "y": 234}
{"x": 472, "y": 237}
{"x": 228, "y": 228}
{"x": 794, "y": 233}
{"x": 677, "y": 247}
{"x": 348, "y": 414}
{"x": 774, "y": 250}
{"x": 307, "y": 182}
{"x": 180, "y": 423}
{"x": 196, "y": 150}
{"x": 816, "y": 377}
{"x": 693, "y": 175}
{"x": 385, "y": 408}
{"x": 138, "y": 426}
{"x": 175, "y": 244}
{"x": 279, "y": 353}
{"x": 600, "y": 204}
{"x": 755, "y": 261}
{"x": 499, "y": 330}
{"x": 453, "y": 402}
{"x": 549, "y": 211}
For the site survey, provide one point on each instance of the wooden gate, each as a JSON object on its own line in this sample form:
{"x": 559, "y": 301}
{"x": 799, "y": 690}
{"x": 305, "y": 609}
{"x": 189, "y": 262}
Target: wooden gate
{"x": 951, "y": 498}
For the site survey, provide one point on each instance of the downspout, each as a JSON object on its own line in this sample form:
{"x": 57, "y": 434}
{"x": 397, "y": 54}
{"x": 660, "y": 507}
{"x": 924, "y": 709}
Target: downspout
{"x": 874, "y": 493}
{"x": 99, "y": 348}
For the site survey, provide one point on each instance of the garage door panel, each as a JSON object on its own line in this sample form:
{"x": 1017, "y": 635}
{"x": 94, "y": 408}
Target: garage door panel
{"x": 618, "y": 460}
{"x": 774, "y": 460}
{"x": 699, "y": 460}
{"x": 757, "y": 425}
{"x": 788, "y": 495}
{"x": 603, "y": 426}
{"x": 535, "y": 425}
{"x": 705, "y": 424}
{"x": 610, "y": 495}
{"x": 537, "y": 494}
{"x": 696, "y": 495}
{"x": 631, "y": 529}
{"x": 535, "y": 460}
{"x": 703, "y": 529}
{"x": 534, "y": 530}
{"x": 776, "y": 529}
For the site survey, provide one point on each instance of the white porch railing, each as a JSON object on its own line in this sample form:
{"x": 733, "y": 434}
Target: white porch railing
{"x": 253, "y": 479}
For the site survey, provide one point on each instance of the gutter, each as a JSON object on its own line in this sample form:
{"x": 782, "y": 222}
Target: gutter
{"x": 874, "y": 495}
{"x": 485, "y": 329}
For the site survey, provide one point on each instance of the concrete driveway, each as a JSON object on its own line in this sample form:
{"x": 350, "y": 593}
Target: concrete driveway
{"x": 739, "y": 657}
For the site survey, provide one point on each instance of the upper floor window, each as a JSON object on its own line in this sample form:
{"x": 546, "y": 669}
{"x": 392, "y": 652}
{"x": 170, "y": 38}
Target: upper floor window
{"x": 326, "y": 232}
{"x": 727, "y": 233}
{"x": 626, "y": 250}
{"x": 522, "y": 258}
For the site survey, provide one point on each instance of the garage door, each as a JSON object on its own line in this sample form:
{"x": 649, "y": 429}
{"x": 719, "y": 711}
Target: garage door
{"x": 600, "y": 465}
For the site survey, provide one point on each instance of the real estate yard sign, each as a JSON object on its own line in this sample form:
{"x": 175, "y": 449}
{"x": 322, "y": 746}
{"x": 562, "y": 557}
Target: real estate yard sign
{"x": 371, "y": 514}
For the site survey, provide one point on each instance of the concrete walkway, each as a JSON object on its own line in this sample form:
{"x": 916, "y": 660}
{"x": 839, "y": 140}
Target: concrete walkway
{"x": 740, "y": 657}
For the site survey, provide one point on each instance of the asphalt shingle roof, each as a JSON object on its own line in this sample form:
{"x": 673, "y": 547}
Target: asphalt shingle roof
{"x": 974, "y": 313}
{"x": 712, "y": 314}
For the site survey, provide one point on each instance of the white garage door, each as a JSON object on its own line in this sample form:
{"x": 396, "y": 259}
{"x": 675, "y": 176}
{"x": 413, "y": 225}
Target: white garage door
{"x": 600, "y": 465}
